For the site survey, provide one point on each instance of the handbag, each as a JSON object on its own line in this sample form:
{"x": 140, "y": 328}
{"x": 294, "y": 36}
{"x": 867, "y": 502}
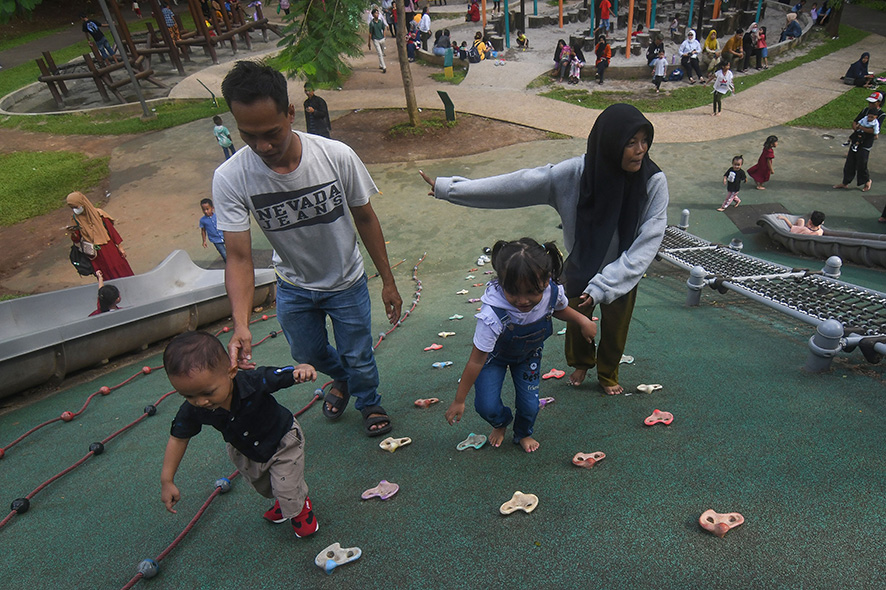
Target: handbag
{"x": 88, "y": 249}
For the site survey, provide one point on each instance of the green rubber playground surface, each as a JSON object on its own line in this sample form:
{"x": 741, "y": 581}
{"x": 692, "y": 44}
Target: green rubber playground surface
{"x": 799, "y": 455}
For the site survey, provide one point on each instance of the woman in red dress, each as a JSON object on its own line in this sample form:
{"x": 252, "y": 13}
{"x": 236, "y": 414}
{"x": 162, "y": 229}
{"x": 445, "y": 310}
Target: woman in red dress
{"x": 96, "y": 227}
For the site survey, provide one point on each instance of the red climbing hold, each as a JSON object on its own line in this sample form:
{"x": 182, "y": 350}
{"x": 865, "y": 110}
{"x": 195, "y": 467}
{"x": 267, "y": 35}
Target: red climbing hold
{"x": 67, "y": 416}
{"x": 146, "y": 370}
{"x": 105, "y": 390}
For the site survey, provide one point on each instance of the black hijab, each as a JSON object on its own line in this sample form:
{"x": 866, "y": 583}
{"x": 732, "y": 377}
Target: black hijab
{"x": 858, "y": 69}
{"x": 609, "y": 197}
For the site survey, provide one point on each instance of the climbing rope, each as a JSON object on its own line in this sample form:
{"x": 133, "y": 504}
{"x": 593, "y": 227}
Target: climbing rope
{"x": 148, "y": 568}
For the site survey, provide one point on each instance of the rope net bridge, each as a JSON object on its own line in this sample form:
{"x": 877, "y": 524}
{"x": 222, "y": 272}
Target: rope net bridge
{"x": 846, "y": 316}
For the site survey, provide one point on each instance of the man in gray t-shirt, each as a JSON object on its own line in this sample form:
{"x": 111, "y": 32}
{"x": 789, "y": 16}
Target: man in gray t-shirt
{"x": 310, "y": 197}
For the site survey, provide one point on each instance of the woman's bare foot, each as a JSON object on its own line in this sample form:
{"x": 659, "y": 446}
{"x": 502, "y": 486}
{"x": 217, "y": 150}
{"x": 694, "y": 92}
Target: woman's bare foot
{"x": 840, "y": 186}
{"x": 577, "y": 377}
{"x": 497, "y": 436}
{"x": 760, "y": 187}
{"x": 866, "y": 187}
{"x": 529, "y": 444}
{"x": 612, "y": 389}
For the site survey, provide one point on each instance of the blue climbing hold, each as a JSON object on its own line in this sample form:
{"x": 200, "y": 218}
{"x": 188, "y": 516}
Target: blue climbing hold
{"x": 223, "y": 484}
{"x": 148, "y": 568}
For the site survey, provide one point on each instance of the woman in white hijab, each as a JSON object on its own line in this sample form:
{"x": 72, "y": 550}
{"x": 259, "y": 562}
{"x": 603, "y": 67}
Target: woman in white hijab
{"x": 690, "y": 51}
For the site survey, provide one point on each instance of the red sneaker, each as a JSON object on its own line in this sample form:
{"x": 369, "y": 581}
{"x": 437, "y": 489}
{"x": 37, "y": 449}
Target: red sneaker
{"x": 305, "y": 524}
{"x": 275, "y": 515}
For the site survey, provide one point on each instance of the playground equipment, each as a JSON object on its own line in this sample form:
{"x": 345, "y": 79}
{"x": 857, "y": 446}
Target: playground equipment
{"x": 48, "y": 336}
{"x": 860, "y": 248}
{"x": 159, "y": 40}
{"x": 846, "y": 316}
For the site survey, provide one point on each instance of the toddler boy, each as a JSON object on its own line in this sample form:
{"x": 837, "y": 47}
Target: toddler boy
{"x": 223, "y": 136}
{"x": 209, "y": 229}
{"x": 265, "y": 441}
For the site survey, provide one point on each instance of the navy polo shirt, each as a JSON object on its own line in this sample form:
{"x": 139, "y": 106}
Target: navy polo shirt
{"x": 256, "y": 422}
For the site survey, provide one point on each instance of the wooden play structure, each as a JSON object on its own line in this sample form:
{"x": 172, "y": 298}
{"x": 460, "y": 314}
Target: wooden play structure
{"x": 211, "y": 32}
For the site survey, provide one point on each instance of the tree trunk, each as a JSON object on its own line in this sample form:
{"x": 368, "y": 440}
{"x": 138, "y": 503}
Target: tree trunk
{"x": 833, "y": 26}
{"x": 405, "y": 72}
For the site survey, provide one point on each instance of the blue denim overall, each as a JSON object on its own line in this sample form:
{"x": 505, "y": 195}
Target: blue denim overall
{"x": 518, "y": 347}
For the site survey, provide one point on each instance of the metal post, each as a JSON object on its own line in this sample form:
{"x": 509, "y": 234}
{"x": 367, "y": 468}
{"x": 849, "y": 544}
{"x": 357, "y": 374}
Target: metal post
{"x": 684, "y": 220}
{"x": 654, "y": 7}
{"x": 759, "y": 8}
{"x": 534, "y": 10}
{"x": 696, "y": 283}
{"x": 832, "y": 267}
{"x": 507, "y": 26}
{"x": 146, "y": 113}
{"x": 691, "y": 8}
{"x": 823, "y": 346}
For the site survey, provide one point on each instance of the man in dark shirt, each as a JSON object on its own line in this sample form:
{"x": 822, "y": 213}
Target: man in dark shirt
{"x": 93, "y": 28}
{"x": 265, "y": 441}
{"x": 856, "y": 165}
{"x": 316, "y": 113}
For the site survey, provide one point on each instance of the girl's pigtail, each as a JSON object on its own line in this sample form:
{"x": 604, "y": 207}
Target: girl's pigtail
{"x": 556, "y": 260}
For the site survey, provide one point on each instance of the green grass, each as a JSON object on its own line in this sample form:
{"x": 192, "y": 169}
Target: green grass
{"x": 458, "y": 75}
{"x": 427, "y": 125}
{"x": 35, "y": 183}
{"x": 169, "y": 114}
{"x": 872, "y": 4}
{"x": 9, "y": 43}
{"x": 688, "y": 97}
{"x": 838, "y": 113}
{"x": 11, "y": 79}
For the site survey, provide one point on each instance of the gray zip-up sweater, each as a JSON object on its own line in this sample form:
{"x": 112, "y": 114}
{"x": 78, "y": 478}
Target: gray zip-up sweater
{"x": 557, "y": 185}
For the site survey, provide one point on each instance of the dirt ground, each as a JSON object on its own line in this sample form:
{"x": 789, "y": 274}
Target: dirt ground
{"x": 366, "y": 131}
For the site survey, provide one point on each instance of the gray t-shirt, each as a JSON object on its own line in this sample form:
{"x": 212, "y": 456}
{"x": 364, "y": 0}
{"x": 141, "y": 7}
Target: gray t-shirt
{"x": 304, "y": 214}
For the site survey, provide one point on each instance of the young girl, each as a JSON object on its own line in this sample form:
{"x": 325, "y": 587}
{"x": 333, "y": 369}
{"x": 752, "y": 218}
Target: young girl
{"x": 722, "y": 85}
{"x": 108, "y": 296}
{"x": 762, "y": 48}
{"x": 513, "y": 323}
{"x": 733, "y": 178}
{"x": 762, "y": 170}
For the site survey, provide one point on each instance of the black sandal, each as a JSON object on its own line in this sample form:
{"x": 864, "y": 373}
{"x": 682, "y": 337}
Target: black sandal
{"x": 369, "y": 422}
{"x": 338, "y": 403}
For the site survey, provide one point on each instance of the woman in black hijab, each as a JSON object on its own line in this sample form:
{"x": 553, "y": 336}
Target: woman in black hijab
{"x": 857, "y": 74}
{"x": 612, "y": 202}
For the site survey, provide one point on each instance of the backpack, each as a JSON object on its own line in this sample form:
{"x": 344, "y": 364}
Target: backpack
{"x": 81, "y": 262}
{"x": 473, "y": 55}
{"x": 676, "y": 75}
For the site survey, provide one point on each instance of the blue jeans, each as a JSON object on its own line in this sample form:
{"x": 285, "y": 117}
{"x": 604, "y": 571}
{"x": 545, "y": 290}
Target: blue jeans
{"x": 487, "y": 392}
{"x": 221, "y": 250}
{"x": 302, "y": 315}
{"x": 104, "y": 48}
{"x": 229, "y": 151}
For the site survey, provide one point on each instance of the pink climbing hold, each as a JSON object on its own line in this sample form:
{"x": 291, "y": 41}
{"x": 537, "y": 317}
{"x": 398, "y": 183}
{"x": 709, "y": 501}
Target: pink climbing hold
{"x": 67, "y": 416}
{"x": 424, "y": 403}
{"x": 433, "y": 346}
{"x": 720, "y": 524}
{"x": 554, "y": 374}
{"x": 587, "y": 460}
{"x": 659, "y": 416}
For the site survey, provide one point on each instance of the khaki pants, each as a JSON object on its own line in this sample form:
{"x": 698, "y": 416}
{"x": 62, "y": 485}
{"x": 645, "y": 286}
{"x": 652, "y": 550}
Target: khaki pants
{"x": 380, "y": 50}
{"x": 615, "y": 319}
{"x": 283, "y": 476}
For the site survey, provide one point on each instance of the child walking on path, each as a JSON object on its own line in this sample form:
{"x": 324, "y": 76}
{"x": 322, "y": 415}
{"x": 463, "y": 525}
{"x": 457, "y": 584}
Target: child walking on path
{"x": 209, "y": 229}
{"x": 512, "y": 325}
{"x": 722, "y": 85}
{"x": 763, "y": 170}
{"x": 660, "y": 69}
{"x": 224, "y": 137}
{"x": 732, "y": 179}
{"x": 265, "y": 441}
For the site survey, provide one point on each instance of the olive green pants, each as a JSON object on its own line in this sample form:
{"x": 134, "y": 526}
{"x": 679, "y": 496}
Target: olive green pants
{"x": 615, "y": 319}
